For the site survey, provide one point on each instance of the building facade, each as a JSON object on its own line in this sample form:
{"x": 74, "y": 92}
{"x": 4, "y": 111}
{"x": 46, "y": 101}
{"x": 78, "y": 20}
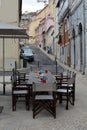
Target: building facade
{"x": 33, "y": 25}
{"x": 45, "y": 29}
{"x": 56, "y": 32}
{"x": 72, "y": 20}
{"x": 10, "y": 13}
{"x": 26, "y": 19}
{"x": 78, "y": 40}
{"x": 63, "y": 35}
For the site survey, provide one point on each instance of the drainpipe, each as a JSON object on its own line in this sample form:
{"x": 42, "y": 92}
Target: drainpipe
{"x": 84, "y": 47}
{"x": 70, "y": 51}
{"x": 4, "y": 66}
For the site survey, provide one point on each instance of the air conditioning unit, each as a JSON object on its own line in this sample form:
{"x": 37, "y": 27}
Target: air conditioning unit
{"x": 9, "y": 64}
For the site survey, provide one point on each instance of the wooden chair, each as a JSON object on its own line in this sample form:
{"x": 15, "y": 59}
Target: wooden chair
{"x": 61, "y": 79}
{"x": 66, "y": 91}
{"x": 44, "y": 98}
{"x": 21, "y": 77}
{"x": 20, "y": 92}
{"x": 1, "y": 108}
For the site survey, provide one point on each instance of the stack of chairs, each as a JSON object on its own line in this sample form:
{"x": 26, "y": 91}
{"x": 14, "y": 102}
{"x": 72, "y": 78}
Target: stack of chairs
{"x": 20, "y": 90}
{"x": 66, "y": 88}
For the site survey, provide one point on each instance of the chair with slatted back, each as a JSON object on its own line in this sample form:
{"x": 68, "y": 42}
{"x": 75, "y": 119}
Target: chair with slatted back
{"x": 20, "y": 92}
{"x": 44, "y": 98}
{"x": 62, "y": 78}
{"x": 21, "y": 76}
{"x": 66, "y": 91}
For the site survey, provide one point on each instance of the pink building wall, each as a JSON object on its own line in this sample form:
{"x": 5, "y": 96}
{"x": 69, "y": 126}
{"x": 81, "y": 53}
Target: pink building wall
{"x": 44, "y": 25}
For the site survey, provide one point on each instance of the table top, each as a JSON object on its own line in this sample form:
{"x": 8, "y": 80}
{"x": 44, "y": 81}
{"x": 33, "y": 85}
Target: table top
{"x": 35, "y": 77}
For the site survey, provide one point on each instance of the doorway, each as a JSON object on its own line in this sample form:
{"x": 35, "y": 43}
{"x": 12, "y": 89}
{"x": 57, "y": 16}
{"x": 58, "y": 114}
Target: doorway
{"x": 74, "y": 50}
{"x": 80, "y": 42}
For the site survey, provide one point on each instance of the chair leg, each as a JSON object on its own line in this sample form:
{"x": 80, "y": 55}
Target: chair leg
{"x": 74, "y": 93}
{"x": 73, "y": 98}
{"x": 54, "y": 109}
{"x": 33, "y": 109}
{"x": 60, "y": 99}
{"x": 67, "y": 102}
{"x": 73, "y": 103}
{"x": 13, "y": 103}
{"x": 27, "y": 103}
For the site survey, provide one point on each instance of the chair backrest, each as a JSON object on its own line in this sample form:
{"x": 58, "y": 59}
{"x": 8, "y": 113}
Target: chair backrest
{"x": 74, "y": 75}
{"x": 68, "y": 73}
{"x": 72, "y": 79}
{"x": 14, "y": 80}
{"x": 42, "y": 87}
{"x": 14, "y": 77}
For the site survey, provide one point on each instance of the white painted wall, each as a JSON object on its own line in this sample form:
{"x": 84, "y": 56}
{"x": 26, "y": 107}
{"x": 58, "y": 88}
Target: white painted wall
{"x": 79, "y": 15}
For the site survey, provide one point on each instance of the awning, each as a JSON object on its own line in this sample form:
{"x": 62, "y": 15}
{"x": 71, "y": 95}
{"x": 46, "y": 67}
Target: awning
{"x": 10, "y": 31}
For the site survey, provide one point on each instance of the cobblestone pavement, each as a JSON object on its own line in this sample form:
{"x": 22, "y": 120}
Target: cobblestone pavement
{"x": 73, "y": 119}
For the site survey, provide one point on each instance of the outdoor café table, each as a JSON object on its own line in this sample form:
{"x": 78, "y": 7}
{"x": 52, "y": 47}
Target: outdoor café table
{"x": 33, "y": 77}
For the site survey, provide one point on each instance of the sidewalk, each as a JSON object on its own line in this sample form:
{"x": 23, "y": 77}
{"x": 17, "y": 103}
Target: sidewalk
{"x": 73, "y": 119}
{"x": 52, "y": 57}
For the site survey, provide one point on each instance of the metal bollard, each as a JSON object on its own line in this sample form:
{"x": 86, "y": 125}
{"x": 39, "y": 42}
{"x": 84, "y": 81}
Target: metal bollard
{"x": 56, "y": 64}
{"x": 56, "y": 67}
